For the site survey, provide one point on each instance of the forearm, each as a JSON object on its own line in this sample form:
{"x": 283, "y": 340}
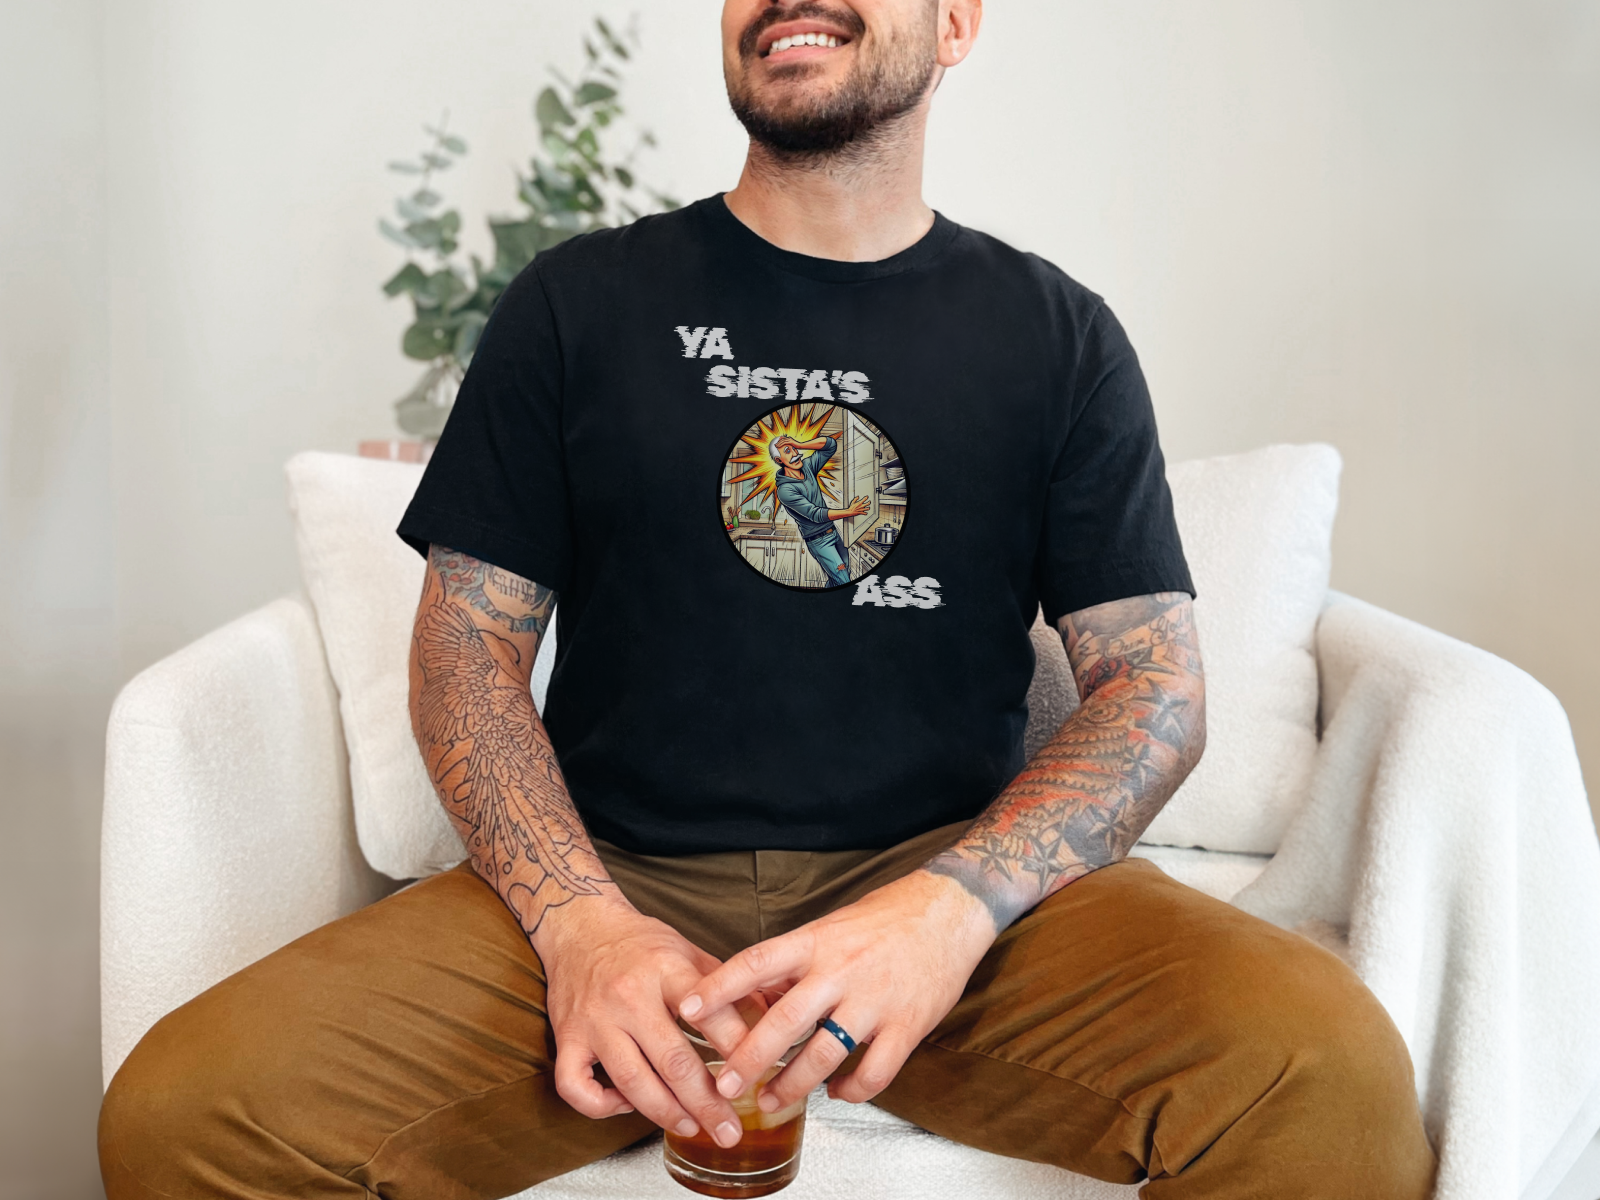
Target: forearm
{"x": 485, "y": 747}
{"x": 524, "y": 838}
{"x": 1088, "y": 795}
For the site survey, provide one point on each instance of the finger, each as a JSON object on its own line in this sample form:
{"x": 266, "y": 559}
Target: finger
{"x": 785, "y": 1023}
{"x": 723, "y": 1027}
{"x": 877, "y": 1068}
{"x": 636, "y": 1079}
{"x": 726, "y": 1027}
{"x": 576, "y": 1084}
{"x": 820, "y": 1058}
{"x": 766, "y": 964}
{"x": 679, "y": 1066}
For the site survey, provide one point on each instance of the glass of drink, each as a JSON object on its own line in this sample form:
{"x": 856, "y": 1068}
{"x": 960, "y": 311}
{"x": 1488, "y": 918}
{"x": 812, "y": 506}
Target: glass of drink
{"x": 767, "y": 1157}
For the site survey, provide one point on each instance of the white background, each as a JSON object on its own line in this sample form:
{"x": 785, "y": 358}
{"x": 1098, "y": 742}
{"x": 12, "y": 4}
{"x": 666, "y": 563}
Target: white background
{"x": 1343, "y": 220}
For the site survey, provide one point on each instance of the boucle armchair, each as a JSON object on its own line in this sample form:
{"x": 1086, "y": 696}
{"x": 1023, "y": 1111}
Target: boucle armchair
{"x": 1413, "y": 803}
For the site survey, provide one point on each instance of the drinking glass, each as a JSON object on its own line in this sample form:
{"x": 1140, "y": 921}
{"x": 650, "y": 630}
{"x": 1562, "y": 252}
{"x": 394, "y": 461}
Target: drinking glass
{"x": 767, "y": 1157}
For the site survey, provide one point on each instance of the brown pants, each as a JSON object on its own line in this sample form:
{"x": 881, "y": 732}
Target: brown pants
{"x": 1128, "y": 1027}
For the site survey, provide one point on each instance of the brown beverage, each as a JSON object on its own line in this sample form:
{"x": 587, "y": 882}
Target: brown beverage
{"x": 766, "y": 1159}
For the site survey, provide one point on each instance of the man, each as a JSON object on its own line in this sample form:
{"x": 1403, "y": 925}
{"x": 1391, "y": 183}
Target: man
{"x": 989, "y": 965}
{"x": 802, "y": 498}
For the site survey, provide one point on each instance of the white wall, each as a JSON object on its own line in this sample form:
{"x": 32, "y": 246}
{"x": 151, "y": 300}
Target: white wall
{"x": 1336, "y": 220}
{"x": 55, "y": 444}
{"x": 57, "y": 603}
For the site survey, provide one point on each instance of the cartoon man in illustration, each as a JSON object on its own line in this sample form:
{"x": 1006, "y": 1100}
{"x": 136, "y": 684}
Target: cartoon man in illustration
{"x": 802, "y": 498}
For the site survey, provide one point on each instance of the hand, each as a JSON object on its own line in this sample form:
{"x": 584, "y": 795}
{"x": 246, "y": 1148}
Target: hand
{"x": 858, "y": 507}
{"x": 615, "y": 979}
{"x": 887, "y": 968}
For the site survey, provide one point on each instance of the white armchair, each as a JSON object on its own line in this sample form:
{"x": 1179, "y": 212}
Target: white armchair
{"x": 1444, "y": 847}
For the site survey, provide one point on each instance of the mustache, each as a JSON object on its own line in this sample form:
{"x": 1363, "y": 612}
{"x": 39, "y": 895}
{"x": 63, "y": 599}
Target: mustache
{"x": 845, "y": 18}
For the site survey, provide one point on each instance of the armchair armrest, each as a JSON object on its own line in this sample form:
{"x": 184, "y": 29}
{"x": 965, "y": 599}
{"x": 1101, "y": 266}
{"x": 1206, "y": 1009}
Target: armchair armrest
{"x": 227, "y": 829}
{"x": 1447, "y": 830}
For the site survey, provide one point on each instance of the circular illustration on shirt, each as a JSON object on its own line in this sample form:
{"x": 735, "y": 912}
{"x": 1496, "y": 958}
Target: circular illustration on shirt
{"x": 813, "y": 496}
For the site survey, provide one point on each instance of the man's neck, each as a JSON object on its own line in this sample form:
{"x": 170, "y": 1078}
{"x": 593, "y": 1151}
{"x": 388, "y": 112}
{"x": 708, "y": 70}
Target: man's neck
{"x": 861, "y": 205}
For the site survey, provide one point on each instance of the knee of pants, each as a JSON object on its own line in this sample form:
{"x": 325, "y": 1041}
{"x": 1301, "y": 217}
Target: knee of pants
{"x": 165, "y": 1122}
{"x": 1299, "y": 1020}
{"x": 141, "y": 1112}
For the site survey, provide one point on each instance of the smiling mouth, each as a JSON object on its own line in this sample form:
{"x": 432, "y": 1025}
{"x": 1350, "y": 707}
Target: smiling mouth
{"x": 797, "y": 46}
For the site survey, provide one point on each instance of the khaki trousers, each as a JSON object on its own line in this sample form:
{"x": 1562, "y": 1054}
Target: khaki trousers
{"x": 1127, "y": 1028}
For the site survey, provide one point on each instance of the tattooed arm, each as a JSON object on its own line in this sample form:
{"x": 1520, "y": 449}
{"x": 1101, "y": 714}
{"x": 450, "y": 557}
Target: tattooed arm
{"x": 1091, "y": 791}
{"x": 612, "y": 973}
{"x": 476, "y": 634}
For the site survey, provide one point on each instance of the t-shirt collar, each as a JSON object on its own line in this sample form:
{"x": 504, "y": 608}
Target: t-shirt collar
{"x": 745, "y": 240}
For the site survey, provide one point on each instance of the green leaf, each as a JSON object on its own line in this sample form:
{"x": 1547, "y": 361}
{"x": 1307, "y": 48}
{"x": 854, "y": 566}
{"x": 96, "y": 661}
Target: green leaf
{"x": 555, "y": 182}
{"x": 453, "y": 144}
{"x": 593, "y": 92}
{"x": 550, "y": 112}
{"x": 405, "y": 168}
{"x": 407, "y": 279}
{"x": 445, "y": 290}
{"x": 602, "y": 118}
{"x": 438, "y": 162}
{"x": 617, "y": 47}
{"x": 409, "y": 211}
{"x": 424, "y": 234}
{"x": 532, "y": 196}
{"x": 557, "y": 146}
{"x": 399, "y": 236}
{"x": 515, "y": 243}
{"x": 423, "y": 198}
{"x": 429, "y": 337}
{"x": 467, "y": 336}
{"x": 586, "y": 143}
{"x": 450, "y": 222}
{"x": 624, "y": 176}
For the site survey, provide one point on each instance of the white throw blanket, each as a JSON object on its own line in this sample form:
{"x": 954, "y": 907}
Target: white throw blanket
{"x": 1448, "y": 835}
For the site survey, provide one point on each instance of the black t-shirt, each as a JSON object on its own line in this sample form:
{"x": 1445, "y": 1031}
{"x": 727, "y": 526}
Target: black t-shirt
{"x": 800, "y": 514}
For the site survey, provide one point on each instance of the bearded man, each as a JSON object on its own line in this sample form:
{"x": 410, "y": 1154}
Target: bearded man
{"x": 962, "y": 929}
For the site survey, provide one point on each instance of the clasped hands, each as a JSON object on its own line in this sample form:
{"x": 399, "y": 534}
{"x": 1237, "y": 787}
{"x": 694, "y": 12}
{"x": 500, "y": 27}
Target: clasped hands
{"x": 886, "y": 968}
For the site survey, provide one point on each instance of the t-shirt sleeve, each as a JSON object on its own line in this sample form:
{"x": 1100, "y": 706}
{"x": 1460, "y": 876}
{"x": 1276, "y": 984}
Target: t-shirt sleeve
{"x": 1108, "y": 531}
{"x": 496, "y": 485}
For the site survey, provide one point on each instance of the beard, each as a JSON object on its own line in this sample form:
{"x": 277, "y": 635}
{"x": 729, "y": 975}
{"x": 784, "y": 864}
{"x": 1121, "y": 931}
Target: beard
{"x": 877, "y": 92}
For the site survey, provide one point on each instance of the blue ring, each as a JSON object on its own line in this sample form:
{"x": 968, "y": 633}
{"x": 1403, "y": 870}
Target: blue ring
{"x": 845, "y": 1040}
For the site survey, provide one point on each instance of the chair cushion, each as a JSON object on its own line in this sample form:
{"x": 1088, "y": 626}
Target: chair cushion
{"x": 1256, "y": 528}
{"x": 850, "y": 1150}
{"x": 364, "y": 583}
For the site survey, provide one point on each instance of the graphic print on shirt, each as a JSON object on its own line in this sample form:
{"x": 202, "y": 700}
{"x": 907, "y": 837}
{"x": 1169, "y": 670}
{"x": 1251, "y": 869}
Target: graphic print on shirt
{"x": 813, "y": 496}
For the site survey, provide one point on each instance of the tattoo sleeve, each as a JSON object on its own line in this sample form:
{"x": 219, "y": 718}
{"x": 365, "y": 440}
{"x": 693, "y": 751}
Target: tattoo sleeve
{"x": 476, "y": 633}
{"x": 1086, "y": 797}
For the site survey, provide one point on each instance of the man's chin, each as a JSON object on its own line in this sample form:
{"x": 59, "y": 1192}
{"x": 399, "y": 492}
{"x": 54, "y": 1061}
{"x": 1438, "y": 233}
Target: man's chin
{"x": 798, "y": 92}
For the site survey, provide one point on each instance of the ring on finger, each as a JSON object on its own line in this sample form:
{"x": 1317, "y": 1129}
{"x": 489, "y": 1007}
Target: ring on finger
{"x": 838, "y": 1031}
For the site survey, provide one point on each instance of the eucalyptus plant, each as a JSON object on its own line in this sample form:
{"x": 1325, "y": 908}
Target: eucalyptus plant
{"x": 573, "y": 185}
